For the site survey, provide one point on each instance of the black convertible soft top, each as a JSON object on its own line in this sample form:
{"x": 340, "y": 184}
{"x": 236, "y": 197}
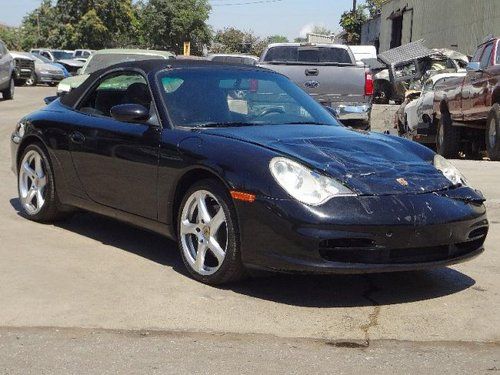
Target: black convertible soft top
{"x": 150, "y": 66}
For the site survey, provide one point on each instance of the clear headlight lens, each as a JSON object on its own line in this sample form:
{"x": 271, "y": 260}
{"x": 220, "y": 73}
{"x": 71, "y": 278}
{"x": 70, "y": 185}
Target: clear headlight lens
{"x": 305, "y": 185}
{"x": 20, "y": 129}
{"x": 449, "y": 171}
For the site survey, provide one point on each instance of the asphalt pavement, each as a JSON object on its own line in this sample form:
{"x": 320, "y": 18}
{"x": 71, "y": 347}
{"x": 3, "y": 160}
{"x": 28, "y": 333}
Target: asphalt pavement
{"x": 95, "y": 295}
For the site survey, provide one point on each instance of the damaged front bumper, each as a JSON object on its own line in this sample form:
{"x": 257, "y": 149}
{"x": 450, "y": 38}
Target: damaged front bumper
{"x": 363, "y": 234}
{"x": 352, "y": 111}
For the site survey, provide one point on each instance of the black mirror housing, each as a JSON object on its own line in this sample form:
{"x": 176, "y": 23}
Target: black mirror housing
{"x": 130, "y": 113}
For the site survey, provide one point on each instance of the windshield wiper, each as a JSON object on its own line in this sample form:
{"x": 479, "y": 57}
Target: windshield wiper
{"x": 222, "y": 125}
{"x": 306, "y": 123}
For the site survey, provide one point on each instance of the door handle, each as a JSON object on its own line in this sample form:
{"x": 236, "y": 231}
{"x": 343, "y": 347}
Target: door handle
{"x": 312, "y": 72}
{"x": 77, "y": 137}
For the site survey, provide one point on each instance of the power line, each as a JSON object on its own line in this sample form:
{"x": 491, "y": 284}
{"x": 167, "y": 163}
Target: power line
{"x": 247, "y": 3}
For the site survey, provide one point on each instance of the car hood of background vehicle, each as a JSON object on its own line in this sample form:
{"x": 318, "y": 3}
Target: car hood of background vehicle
{"x": 368, "y": 163}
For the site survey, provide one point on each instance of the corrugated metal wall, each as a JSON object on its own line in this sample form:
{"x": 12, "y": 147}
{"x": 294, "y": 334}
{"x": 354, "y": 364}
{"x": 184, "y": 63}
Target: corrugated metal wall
{"x": 455, "y": 24}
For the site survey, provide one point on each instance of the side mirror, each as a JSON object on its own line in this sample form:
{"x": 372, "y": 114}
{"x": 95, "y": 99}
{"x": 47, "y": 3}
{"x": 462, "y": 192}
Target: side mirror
{"x": 50, "y": 99}
{"x": 130, "y": 113}
{"x": 79, "y": 71}
{"x": 474, "y": 66}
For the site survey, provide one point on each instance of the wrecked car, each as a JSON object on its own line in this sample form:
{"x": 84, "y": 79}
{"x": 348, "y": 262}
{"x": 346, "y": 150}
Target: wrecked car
{"x": 409, "y": 66}
{"x": 416, "y": 117}
{"x": 269, "y": 180}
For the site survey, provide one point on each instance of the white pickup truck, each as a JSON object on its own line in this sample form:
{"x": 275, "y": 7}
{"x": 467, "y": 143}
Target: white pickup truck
{"x": 330, "y": 74}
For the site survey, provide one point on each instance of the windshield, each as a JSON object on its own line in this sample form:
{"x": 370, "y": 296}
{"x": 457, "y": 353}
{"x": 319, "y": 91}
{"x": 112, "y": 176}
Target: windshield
{"x": 217, "y": 97}
{"x": 62, "y": 55}
{"x": 42, "y": 58}
{"x": 308, "y": 55}
{"x": 101, "y": 61}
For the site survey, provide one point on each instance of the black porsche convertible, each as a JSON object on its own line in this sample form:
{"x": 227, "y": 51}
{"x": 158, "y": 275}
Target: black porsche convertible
{"x": 246, "y": 171}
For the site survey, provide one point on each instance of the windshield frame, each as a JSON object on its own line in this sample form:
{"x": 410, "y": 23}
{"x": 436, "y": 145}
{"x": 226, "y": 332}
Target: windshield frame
{"x": 332, "y": 121}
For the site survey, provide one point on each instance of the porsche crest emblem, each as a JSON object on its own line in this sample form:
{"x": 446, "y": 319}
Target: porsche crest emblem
{"x": 402, "y": 181}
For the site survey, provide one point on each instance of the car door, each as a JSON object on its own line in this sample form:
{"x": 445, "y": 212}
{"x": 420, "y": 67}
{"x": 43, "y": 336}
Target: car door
{"x": 117, "y": 162}
{"x": 474, "y": 108}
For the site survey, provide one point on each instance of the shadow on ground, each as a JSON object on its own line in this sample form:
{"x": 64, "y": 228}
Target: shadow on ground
{"x": 299, "y": 290}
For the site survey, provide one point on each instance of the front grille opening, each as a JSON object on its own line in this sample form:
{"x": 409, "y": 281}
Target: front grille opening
{"x": 479, "y": 232}
{"x": 346, "y": 242}
{"x": 466, "y": 247}
{"x": 377, "y": 255}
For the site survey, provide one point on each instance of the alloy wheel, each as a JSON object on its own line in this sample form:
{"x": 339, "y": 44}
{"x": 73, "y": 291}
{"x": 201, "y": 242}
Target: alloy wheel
{"x": 203, "y": 233}
{"x": 32, "y": 182}
{"x": 31, "y": 80}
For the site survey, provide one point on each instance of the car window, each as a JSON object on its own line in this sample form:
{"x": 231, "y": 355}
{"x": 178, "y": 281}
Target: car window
{"x": 308, "y": 54}
{"x": 201, "y": 97}
{"x": 486, "y": 57}
{"x": 116, "y": 89}
{"x": 477, "y": 55}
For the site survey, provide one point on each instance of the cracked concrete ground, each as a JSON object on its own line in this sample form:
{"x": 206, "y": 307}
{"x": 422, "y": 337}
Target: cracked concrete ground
{"x": 92, "y": 274}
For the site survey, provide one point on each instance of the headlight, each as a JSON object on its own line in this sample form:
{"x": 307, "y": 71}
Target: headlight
{"x": 449, "y": 171}
{"x": 44, "y": 72}
{"x": 304, "y": 184}
{"x": 20, "y": 129}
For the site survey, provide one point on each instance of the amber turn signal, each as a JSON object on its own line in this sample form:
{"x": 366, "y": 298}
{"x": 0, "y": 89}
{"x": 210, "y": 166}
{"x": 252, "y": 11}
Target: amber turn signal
{"x": 240, "y": 196}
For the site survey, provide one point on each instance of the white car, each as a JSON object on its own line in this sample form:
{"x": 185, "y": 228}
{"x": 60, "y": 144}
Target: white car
{"x": 419, "y": 112}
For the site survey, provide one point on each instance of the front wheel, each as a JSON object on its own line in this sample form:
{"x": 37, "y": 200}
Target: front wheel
{"x": 36, "y": 186}
{"x": 208, "y": 235}
{"x": 448, "y": 137}
{"x": 493, "y": 133}
{"x": 31, "y": 81}
{"x": 8, "y": 93}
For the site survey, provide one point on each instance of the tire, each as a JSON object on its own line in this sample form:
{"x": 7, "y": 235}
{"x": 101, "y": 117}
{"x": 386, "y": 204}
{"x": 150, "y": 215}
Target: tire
{"x": 42, "y": 205}
{"x": 447, "y": 138}
{"x": 53, "y": 84}
{"x": 20, "y": 82}
{"x": 32, "y": 81}
{"x": 492, "y": 134}
{"x": 220, "y": 228}
{"x": 8, "y": 93}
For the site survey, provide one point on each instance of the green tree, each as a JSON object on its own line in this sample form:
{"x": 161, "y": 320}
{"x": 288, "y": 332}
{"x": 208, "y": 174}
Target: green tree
{"x": 81, "y": 24}
{"x": 373, "y": 7}
{"x": 351, "y": 22}
{"x": 11, "y": 37}
{"x": 232, "y": 40}
{"x": 318, "y": 29}
{"x": 277, "y": 39}
{"x": 167, "y": 24}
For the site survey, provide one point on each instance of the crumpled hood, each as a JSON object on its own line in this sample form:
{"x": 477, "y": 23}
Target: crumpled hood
{"x": 368, "y": 163}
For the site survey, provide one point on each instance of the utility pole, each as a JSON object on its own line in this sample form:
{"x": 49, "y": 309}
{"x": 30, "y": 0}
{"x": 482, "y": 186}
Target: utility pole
{"x": 354, "y": 6}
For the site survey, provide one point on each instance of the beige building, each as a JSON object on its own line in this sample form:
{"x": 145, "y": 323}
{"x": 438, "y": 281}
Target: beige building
{"x": 457, "y": 24}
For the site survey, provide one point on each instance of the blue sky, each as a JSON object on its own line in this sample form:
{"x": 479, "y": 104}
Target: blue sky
{"x": 284, "y": 17}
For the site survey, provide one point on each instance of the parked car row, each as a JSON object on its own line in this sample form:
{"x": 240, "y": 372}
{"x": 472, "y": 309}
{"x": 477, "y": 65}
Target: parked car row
{"x": 39, "y": 66}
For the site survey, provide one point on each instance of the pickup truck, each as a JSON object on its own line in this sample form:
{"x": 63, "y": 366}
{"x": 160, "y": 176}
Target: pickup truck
{"x": 468, "y": 108}
{"x": 330, "y": 74}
